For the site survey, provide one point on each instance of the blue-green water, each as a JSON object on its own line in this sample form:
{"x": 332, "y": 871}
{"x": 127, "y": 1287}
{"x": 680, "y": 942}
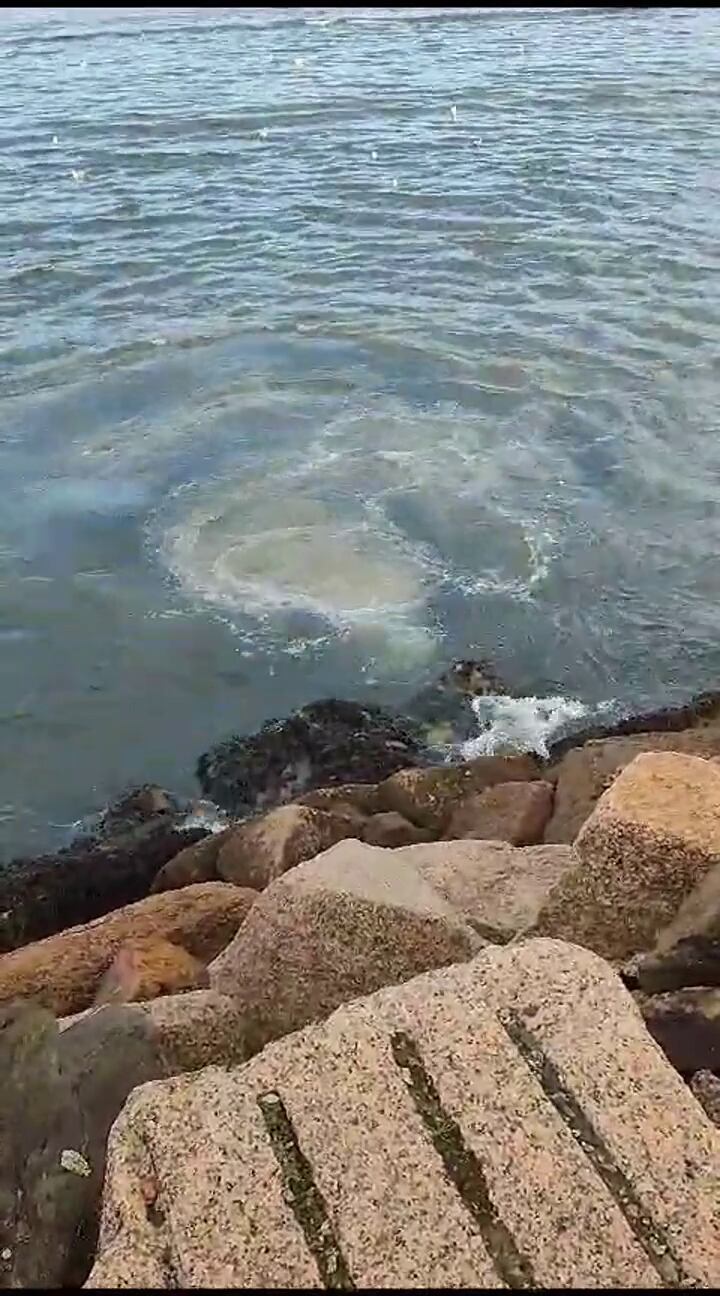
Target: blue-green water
{"x": 336, "y": 344}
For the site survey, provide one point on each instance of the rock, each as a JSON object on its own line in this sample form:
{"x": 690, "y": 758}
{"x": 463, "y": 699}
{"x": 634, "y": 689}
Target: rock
{"x": 62, "y": 972}
{"x": 196, "y": 863}
{"x": 510, "y": 812}
{"x": 149, "y": 967}
{"x": 391, "y": 829}
{"x": 140, "y": 805}
{"x": 652, "y": 837}
{"x": 706, "y": 1088}
{"x": 263, "y": 849}
{"x": 686, "y": 1025}
{"x": 694, "y": 961}
{"x": 444, "y": 707}
{"x": 699, "y": 914}
{"x": 44, "y": 895}
{"x": 325, "y": 743}
{"x": 58, "y": 1098}
{"x": 585, "y": 773}
{"x": 428, "y": 796}
{"x": 197, "y": 1029}
{"x": 701, "y": 712}
{"x": 360, "y": 798}
{"x": 502, "y": 1123}
{"x": 341, "y": 925}
{"x": 498, "y": 889}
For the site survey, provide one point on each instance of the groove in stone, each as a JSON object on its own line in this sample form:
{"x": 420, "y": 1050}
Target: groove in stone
{"x": 648, "y": 1234}
{"x": 304, "y": 1197}
{"x": 462, "y": 1167}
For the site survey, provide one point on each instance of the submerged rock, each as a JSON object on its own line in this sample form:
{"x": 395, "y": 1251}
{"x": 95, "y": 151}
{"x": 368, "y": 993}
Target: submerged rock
{"x": 325, "y": 743}
{"x": 444, "y": 707}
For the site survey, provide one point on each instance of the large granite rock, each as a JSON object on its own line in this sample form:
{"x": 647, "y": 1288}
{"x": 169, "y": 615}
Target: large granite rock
{"x": 497, "y": 888}
{"x": 392, "y": 830}
{"x": 325, "y": 743}
{"x": 256, "y": 852}
{"x": 62, "y": 972}
{"x": 512, "y": 812}
{"x": 147, "y": 968}
{"x": 195, "y": 863}
{"x": 341, "y": 925}
{"x": 584, "y": 773}
{"x": 502, "y": 1123}
{"x": 653, "y": 837}
{"x": 427, "y": 797}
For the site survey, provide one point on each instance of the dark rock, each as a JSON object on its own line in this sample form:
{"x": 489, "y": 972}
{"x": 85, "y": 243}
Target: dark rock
{"x": 60, "y": 1094}
{"x": 323, "y": 744}
{"x": 694, "y": 961}
{"x": 444, "y": 707}
{"x": 45, "y": 895}
{"x": 703, "y": 708}
{"x": 391, "y": 829}
{"x": 686, "y": 1025}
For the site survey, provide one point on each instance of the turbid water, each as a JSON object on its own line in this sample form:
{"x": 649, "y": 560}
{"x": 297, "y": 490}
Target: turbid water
{"x": 337, "y": 344}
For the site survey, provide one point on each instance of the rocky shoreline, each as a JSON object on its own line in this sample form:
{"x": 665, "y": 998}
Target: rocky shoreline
{"x": 331, "y": 862}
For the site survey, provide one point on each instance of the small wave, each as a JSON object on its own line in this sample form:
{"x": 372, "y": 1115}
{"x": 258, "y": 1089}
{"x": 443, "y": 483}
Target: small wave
{"x": 526, "y": 724}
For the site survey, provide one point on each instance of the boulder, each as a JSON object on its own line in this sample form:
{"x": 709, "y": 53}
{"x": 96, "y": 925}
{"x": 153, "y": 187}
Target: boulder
{"x": 347, "y": 798}
{"x": 196, "y": 863}
{"x": 62, "y": 972}
{"x": 686, "y": 1025}
{"x": 51, "y": 892}
{"x": 263, "y": 849}
{"x": 58, "y": 1098}
{"x": 584, "y": 773}
{"x": 504, "y": 1123}
{"x": 149, "y": 967}
{"x": 653, "y": 836}
{"x": 693, "y": 961}
{"x": 706, "y": 1087}
{"x": 325, "y": 743}
{"x": 510, "y": 812}
{"x": 343, "y": 924}
{"x": 428, "y": 796}
{"x": 392, "y": 829}
{"x": 698, "y": 917}
{"x": 497, "y": 888}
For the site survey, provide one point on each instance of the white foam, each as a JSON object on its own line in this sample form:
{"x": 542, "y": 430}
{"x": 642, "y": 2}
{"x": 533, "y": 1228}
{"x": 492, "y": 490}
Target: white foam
{"x": 521, "y": 724}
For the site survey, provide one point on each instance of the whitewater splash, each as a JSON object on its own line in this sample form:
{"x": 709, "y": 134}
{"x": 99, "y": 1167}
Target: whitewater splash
{"x": 525, "y": 724}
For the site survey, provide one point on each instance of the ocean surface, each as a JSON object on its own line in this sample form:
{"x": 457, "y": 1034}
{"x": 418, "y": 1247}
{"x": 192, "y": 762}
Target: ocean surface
{"x": 337, "y": 344}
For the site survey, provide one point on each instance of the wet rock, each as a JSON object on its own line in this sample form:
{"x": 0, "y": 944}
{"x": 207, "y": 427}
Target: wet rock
{"x": 427, "y": 797}
{"x": 391, "y": 829}
{"x": 263, "y": 849}
{"x": 148, "y": 968}
{"x": 652, "y": 838}
{"x": 325, "y": 743}
{"x": 512, "y": 812}
{"x": 341, "y": 925}
{"x": 196, "y": 863}
{"x": 51, "y": 892}
{"x": 693, "y": 961}
{"x": 702, "y": 711}
{"x": 63, "y": 971}
{"x": 686, "y": 1025}
{"x": 706, "y": 1087}
{"x": 140, "y": 805}
{"x": 444, "y": 707}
